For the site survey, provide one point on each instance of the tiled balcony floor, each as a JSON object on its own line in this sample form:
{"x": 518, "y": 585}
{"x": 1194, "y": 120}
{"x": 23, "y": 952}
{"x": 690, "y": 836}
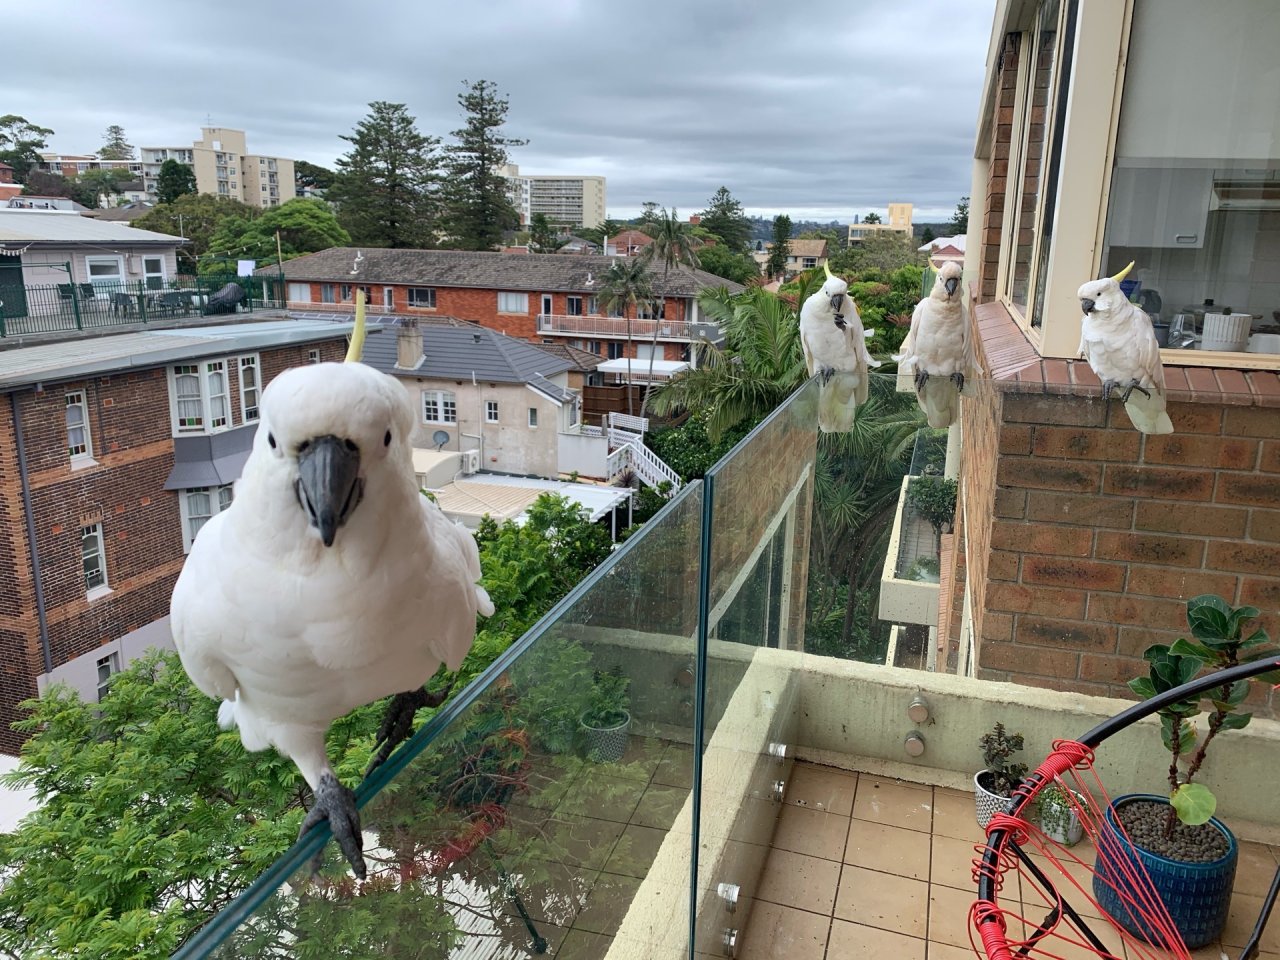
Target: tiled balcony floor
{"x": 862, "y": 866}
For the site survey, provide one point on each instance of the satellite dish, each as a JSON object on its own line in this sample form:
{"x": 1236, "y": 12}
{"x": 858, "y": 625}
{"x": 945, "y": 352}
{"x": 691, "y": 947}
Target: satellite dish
{"x": 440, "y": 438}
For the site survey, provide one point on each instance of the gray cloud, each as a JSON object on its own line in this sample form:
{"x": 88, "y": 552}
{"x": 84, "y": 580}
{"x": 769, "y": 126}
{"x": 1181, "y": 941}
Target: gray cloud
{"x": 827, "y": 110}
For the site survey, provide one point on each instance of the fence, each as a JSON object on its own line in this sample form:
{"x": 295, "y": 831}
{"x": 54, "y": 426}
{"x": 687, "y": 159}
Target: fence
{"x": 60, "y": 307}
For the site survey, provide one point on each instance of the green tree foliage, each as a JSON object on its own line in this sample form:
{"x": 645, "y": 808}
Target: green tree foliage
{"x": 477, "y": 208}
{"x": 960, "y": 219}
{"x": 543, "y": 236}
{"x": 725, "y": 220}
{"x": 689, "y": 450}
{"x": 885, "y": 250}
{"x": 175, "y": 180}
{"x": 305, "y": 226}
{"x": 114, "y": 144}
{"x": 872, "y": 217}
{"x": 311, "y": 176}
{"x": 928, "y": 236}
{"x": 20, "y": 144}
{"x": 385, "y": 187}
{"x": 781, "y": 249}
{"x": 648, "y": 214}
{"x": 624, "y": 287}
{"x": 93, "y": 185}
{"x": 674, "y": 246}
{"x": 196, "y": 216}
{"x": 597, "y": 235}
{"x": 41, "y": 184}
{"x": 723, "y": 262}
{"x": 834, "y": 238}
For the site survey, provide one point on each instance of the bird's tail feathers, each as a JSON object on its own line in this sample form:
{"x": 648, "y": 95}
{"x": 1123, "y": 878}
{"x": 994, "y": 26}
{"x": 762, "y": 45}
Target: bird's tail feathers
{"x": 940, "y": 400}
{"x": 483, "y": 604}
{"x": 838, "y": 402}
{"x": 1147, "y": 416}
{"x": 227, "y": 713}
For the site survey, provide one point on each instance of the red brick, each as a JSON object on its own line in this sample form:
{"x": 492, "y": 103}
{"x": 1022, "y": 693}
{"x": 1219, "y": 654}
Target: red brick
{"x": 1042, "y": 408}
{"x": 1077, "y": 443}
{"x": 1117, "y": 670}
{"x": 1043, "y": 661}
{"x": 1010, "y": 503}
{"x": 1137, "y": 611}
{"x": 1002, "y": 565}
{"x": 1045, "y": 601}
{"x": 1252, "y": 422}
{"x": 1265, "y": 525}
{"x": 1158, "y": 482}
{"x": 1193, "y": 519}
{"x": 1015, "y": 440}
{"x": 1088, "y": 511}
{"x": 1244, "y": 557}
{"x": 1149, "y": 548}
{"x": 1195, "y": 418}
{"x": 997, "y": 626}
{"x": 1261, "y": 592}
{"x": 1134, "y": 640}
{"x": 1179, "y": 584}
{"x": 1067, "y": 634}
{"x": 1257, "y": 489}
{"x": 1082, "y": 574}
{"x": 1270, "y": 459}
{"x": 1224, "y": 453}
{"x": 1041, "y": 538}
{"x": 1049, "y": 475}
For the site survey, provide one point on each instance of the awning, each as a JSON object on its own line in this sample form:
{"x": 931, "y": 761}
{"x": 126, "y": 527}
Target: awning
{"x": 210, "y": 461}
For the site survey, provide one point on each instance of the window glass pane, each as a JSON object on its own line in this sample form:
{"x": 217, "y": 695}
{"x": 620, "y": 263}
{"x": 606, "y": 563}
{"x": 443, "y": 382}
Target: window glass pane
{"x": 1195, "y": 190}
{"x": 224, "y": 497}
{"x": 430, "y": 407}
{"x": 91, "y": 554}
{"x": 190, "y": 407}
{"x": 450, "y": 405}
{"x": 513, "y": 302}
{"x": 199, "y": 510}
{"x": 491, "y": 410}
{"x": 533, "y": 416}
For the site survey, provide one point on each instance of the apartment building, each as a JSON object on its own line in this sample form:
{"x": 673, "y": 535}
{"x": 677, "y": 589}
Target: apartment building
{"x": 114, "y": 450}
{"x": 224, "y": 166}
{"x": 899, "y": 221}
{"x": 571, "y": 201}
{"x": 74, "y": 164}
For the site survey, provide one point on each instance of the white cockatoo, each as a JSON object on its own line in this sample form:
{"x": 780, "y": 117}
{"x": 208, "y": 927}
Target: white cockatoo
{"x": 330, "y": 581}
{"x": 938, "y": 352}
{"x": 835, "y": 348}
{"x": 1118, "y": 341}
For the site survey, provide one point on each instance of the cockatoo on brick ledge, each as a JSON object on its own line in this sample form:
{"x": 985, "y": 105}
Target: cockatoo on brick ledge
{"x": 835, "y": 348}
{"x": 330, "y": 582}
{"x": 938, "y": 352}
{"x": 1118, "y": 341}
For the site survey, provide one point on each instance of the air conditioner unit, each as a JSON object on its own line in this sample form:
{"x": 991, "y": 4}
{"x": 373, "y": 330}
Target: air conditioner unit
{"x": 470, "y": 461}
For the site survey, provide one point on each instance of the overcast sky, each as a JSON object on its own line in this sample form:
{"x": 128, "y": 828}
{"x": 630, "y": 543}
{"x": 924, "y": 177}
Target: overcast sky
{"x": 821, "y": 110}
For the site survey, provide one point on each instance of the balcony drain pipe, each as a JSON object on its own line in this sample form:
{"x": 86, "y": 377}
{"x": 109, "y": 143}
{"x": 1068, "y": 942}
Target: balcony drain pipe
{"x": 24, "y": 479}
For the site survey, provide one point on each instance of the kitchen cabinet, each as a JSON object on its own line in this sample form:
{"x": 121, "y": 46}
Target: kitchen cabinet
{"x": 1159, "y": 206}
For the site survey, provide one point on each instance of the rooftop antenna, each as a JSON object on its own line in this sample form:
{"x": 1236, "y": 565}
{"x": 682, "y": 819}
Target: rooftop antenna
{"x": 208, "y": 119}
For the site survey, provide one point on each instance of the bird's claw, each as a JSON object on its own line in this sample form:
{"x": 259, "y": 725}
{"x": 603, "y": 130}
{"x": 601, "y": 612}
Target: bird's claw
{"x": 958, "y": 379}
{"x": 337, "y": 804}
{"x": 825, "y": 374}
{"x": 922, "y": 377}
{"x": 1107, "y": 387}
{"x": 397, "y": 722}
{"x": 1124, "y": 398}
{"x": 841, "y": 322}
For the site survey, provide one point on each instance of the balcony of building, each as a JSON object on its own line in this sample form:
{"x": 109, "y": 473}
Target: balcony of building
{"x": 776, "y": 789}
{"x": 619, "y": 328}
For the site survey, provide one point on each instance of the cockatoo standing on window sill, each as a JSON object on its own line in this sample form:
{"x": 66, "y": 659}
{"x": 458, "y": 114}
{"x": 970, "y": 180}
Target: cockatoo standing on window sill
{"x": 1118, "y": 341}
{"x": 938, "y": 352}
{"x": 329, "y": 582}
{"x": 835, "y": 349}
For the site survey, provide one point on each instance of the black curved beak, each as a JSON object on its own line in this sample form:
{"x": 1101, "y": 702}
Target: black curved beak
{"x": 951, "y": 285}
{"x": 836, "y": 301}
{"x": 329, "y": 487}
{"x": 1086, "y": 305}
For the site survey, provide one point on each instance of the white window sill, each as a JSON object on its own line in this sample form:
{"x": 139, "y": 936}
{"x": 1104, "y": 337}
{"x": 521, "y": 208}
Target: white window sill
{"x": 80, "y": 463}
{"x": 97, "y": 593}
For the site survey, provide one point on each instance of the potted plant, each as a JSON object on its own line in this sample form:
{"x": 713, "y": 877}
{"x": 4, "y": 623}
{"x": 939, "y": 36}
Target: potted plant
{"x": 1058, "y": 818}
{"x": 993, "y": 785}
{"x": 1188, "y": 853}
{"x": 607, "y": 720}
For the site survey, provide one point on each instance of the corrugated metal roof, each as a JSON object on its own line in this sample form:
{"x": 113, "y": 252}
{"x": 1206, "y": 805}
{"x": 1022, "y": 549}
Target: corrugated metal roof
{"x": 67, "y": 226}
{"x": 455, "y": 353}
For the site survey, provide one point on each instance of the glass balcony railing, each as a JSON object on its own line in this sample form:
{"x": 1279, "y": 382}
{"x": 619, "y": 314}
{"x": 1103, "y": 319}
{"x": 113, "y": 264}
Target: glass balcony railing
{"x": 505, "y": 828}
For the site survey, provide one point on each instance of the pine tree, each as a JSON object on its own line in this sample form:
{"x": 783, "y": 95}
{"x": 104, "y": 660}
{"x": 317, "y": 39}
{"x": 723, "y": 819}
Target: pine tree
{"x": 872, "y": 217}
{"x": 114, "y": 145}
{"x": 776, "y": 266}
{"x": 20, "y": 143}
{"x": 386, "y": 186}
{"x": 724, "y": 219}
{"x": 175, "y": 179}
{"x": 543, "y": 235}
{"x": 960, "y": 219}
{"x": 477, "y": 208}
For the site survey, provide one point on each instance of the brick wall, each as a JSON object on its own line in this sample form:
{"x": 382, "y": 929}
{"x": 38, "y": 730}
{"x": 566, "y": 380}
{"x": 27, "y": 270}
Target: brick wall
{"x": 998, "y": 170}
{"x": 1099, "y": 535}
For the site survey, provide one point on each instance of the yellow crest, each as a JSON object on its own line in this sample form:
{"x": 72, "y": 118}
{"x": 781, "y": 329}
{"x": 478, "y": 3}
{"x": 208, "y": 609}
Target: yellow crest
{"x": 1123, "y": 273}
{"x": 357, "y": 335}
{"x": 830, "y": 276}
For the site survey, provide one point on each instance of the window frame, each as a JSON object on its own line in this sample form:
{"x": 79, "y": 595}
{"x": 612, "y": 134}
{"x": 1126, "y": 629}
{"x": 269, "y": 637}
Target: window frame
{"x": 313, "y": 356}
{"x": 249, "y": 361}
{"x": 513, "y": 293}
{"x": 491, "y": 411}
{"x": 85, "y": 456}
{"x": 533, "y": 418}
{"x": 412, "y": 294}
{"x": 95, "y": 590}
{"x": 112, "y": 662}
{"x": 442, "y": 400}
{"x": 203, "y": 370}
{"x": 216, "y": 506}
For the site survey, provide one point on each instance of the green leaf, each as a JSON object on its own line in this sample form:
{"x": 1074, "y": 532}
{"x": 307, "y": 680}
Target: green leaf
{"x": 1236, "y": 721}
{"x": 1143, "y": 687}
{"x": 1194, "y": 803}
{"x": 1186, "y": 734}
{"x": 1209, "y": 617}
{"x": 1258, "y": 636}
{"x": 1185, "y": 648}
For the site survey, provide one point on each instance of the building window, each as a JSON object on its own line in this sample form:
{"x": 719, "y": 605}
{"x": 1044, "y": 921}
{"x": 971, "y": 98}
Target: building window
{"x": 491, "y": 411}
{"x": 439, "y": 406}
{"x": 533, "y": 416}
{"x": 615, "y": 350}
{"x": 199, "y": 504}
{"x": 105, "y": 272}
{"x": 300, "y": 292}
{"x": 200, "y": 397}
{"x": 573, "y": 306}
{"x": 108, "y": 667}
{"x": 808, "y": 263}
{"x": 593, "y": 305}
{"x": 186, "y": 385}
{"x": 94, "y": 559}
{"x": 618, "y": 309}
{"x": 215, "y": 372}
{"x": 422, "y": 297}
{"x": 79, "y": 444}
{"x": 326, "y": 289}
{"x": 344, "y": 292}
{"x": 313, "y": 356}
{"x": 651, "y": 310}
{"x": 249, "y": 389}
{"x": 513, "y": 303}
{"x": 153, "y": 272}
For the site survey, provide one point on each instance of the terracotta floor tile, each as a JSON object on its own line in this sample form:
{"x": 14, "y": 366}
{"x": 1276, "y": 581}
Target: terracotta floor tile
{"x": 949, "y": 916}
{"x": 783, "y": 933}
{"x": 551, "y": 892}
{"x": 635, "y": 850}
{"x": 583, "y": 945}
{"x": 659, "y": 806}
{"x": 854, "y": 941}
{"x": 638, "y": 763}
{"x": 883, "y": 900}
{"x": 1240, "y": 921}
{"x": 811, "y": 832}
{"x": 822, "y": 788}
{"x": 602, "y": 797}
{"x": 793, "y": 880}
{"x": 953, "y": 815}
{"x": 944, "y": 951}
{"x": 1255, "y": 869}
{"x": 894, "y": 803}
{"x": 877, "y": 846}
{"x": 607, "y": 903}
{"x": 676, "y": 767}
{"x": 547, "y": 784}
{"x": 952, "y": 863}
{"x": 582, "y": 841}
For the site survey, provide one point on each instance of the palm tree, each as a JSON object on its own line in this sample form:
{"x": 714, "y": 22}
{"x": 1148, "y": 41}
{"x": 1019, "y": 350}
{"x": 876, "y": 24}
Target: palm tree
{"x": 674, "y": 245}
{"x": 625, "y": 285}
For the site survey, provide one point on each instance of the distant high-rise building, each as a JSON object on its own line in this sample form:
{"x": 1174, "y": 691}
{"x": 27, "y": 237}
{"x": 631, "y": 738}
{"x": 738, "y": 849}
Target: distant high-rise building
{"x": 899, "y": 222}
{"x": 223, "y": 166}
{"x": 569, "y": 200}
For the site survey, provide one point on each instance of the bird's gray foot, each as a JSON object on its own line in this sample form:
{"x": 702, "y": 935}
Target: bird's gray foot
{"x": 958, "y": 379}
{"x": 1107, "y": 387}
{"x": 1132, "y": 387}
{"x": 397, "y": 722}
{"x": 337, "y": 804}
{"x": 921, "y": 379}
{"x": 825, "y": 374}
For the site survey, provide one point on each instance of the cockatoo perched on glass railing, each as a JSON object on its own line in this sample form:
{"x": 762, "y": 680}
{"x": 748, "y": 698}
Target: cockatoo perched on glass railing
{"x": 938, "y": 352}
{"x": 835, "y": 349}
{"x": 1118, "y": 341}
{"x": 330, "y": 581}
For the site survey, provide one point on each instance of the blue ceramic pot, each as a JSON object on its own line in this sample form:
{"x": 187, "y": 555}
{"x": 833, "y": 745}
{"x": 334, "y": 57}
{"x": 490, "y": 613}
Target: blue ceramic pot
{"x": 1197, "y": 895}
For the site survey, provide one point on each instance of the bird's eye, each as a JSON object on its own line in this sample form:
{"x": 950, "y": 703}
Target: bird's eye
{"x": 386, "y": 439}
{"x": 271, "y": 439}
{"x": 303, "y": 447}
{"x": 350, "y": 445}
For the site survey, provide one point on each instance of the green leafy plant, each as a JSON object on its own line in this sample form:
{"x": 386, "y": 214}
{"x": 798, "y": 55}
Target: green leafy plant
{"x": 608, "y": 703}
{"x": 998, "y": 747}
{"x": 1219, "y": 642}
{"x": 935, "y": 499}
{"x": 1056, "y": 810}
{"x": 923, "y": 569}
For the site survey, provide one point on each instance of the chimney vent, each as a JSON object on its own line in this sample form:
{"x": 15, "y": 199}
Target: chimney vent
{"x": 408, "y": 345}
